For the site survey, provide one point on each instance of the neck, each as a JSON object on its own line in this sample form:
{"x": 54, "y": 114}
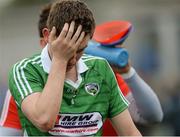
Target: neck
{"x": 72, "y": 74}
{"x": 49, "y": 52}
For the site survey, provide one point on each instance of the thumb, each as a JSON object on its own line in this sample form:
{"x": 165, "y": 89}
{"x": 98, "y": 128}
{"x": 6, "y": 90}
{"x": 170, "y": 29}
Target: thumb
{"x": 52, "y": 35}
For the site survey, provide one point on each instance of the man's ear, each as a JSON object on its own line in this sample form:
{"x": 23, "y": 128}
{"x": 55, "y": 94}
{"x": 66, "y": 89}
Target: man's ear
{"x": 45, "y": 33}
{"x": 42, "y": 43}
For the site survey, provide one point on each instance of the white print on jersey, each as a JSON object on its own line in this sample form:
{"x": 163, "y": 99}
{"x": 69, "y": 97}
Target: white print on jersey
{"x": 77, "y": 124}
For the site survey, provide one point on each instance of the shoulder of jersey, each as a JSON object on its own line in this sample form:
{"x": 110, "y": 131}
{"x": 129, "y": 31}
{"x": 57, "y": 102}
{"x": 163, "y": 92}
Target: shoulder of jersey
{"x": 87, "y": 57}
{"x": 36, "y": 59}
{"x": 91, "y": 61}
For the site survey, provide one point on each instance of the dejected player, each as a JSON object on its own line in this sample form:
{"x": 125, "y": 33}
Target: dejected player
{"x": 40, "y": 91}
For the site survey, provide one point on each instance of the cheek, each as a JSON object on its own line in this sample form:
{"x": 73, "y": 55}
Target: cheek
{"x": 72, "y": 62}
{"x": 79, "y": 55}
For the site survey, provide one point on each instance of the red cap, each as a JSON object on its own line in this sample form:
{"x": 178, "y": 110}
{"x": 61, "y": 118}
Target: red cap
{"x": 112, "y": 31}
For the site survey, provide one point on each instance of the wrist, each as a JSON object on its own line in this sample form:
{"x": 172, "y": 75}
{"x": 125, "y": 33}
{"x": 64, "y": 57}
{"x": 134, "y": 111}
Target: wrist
{"x": 59, "y": 61}
{"x": 58, "y": 67}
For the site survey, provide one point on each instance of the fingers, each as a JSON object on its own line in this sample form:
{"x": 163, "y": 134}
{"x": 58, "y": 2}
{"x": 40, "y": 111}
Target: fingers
{"x": 120, "y": 46}
{"x": 70, "y": 31}
{"x": 52, "y": 35}
{"x": 66, "y": 35}
{"x": 64, "y": 31}
{"x": 80, "y": 39}
{"x": 76, "y": 35}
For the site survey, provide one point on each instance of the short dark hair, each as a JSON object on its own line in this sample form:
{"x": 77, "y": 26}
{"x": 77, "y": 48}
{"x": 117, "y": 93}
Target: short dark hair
{"x": 66, "y": 11}
{"x": 43, "y": 16}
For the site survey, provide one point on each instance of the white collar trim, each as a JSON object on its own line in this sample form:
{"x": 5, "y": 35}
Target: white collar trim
{"x": 46, "y": 62}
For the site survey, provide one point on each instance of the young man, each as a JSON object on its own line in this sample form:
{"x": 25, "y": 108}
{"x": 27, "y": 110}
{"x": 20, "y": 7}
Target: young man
{"x": 10, "y": 120}
{"x": 62, "y": 93}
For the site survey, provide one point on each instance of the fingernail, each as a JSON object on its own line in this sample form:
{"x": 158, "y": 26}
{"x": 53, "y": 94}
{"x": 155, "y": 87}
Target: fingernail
{"x": 66, "y": 24}
{"x": 83, "y": 33}
{"x": 80, "y": 26}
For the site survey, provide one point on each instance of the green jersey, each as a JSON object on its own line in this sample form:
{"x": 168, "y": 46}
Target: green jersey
{"x": 86, "y": 103}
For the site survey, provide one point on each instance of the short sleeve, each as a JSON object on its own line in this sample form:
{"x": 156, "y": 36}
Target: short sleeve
{"x": 118, "y": 102}
{"x": 23, "y": 81}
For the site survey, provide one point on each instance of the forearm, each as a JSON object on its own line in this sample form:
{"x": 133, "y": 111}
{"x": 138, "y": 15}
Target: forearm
{"x": 144, "y": 96}
{"x": 45, "y": 105}
{"x": 50, "y": 99}
{"x": 124, "y": 125}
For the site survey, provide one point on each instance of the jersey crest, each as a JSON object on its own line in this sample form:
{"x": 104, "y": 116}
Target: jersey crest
{"x": 92, "y": 88}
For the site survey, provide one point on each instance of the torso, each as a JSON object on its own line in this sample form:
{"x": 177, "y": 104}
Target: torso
{"x": 85, "y": 104}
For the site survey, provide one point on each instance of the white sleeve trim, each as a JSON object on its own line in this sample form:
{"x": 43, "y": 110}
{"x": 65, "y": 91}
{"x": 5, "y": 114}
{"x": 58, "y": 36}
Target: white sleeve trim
{"x": 129, "y": 74}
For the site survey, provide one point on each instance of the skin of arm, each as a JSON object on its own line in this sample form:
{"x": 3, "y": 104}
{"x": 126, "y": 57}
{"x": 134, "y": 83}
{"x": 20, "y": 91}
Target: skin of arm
{"x": 124, "y": 125}
{"x": 42, "y": 108}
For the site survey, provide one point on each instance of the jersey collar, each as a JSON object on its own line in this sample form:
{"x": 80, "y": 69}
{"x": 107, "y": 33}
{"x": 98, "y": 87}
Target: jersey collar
{"x": 46, "y": 62}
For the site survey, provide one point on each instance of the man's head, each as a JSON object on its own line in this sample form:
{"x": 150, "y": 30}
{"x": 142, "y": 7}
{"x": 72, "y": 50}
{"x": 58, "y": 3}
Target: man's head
{"x": 42, "y": 27}
{"x": 66, "y": 11}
